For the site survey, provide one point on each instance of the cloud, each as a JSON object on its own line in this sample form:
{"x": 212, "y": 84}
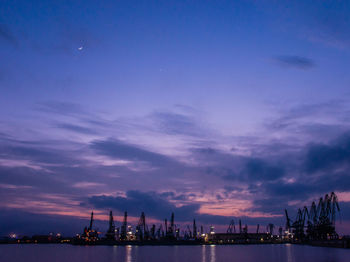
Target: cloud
{"x": 156, "y": 206}
{"x": 7, "y": 36}
{"x": 172, "y": 196}
{"x": 233, "y": 167}
{"x": 77, "y": 128}
{"x": 26, "y": 178}
{"x": 35, "y": 152}
{"x": 9, "y": 186}
{"x": 153, "y": 204}
{"x": 329, "y": 24}
{"x": 26, "y": 223}
{"x": 321, "y": 22}
{"x": 333, "y": 156}
{"x": 176, "y": 124}
{"x": 85, "y": 184}
{"x": 258, "y": 170}
{"x": 302, "y": 123}
{"x": 321, "y": 169}
{"x": 65, "y": 108}
{"x": 270, "y": 174}
{"x": 121, "y": 150}
{"x": 298, "y": 62}
{"x": 46, "y": 165}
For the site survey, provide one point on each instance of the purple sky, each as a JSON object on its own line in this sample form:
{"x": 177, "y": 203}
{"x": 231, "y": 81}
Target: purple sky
{"x": 213, "y": 110}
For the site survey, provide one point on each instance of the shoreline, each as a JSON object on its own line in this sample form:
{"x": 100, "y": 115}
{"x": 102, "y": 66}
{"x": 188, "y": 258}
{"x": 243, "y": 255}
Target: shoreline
{"x": 328, "y": 244}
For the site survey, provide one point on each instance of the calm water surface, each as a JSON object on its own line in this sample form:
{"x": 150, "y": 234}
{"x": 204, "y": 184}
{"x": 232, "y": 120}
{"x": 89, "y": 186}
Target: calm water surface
{"x": 246, "y": 253}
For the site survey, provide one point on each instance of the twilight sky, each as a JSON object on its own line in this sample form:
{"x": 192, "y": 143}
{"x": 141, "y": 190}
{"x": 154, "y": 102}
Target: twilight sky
{"x": 211, "y": 109}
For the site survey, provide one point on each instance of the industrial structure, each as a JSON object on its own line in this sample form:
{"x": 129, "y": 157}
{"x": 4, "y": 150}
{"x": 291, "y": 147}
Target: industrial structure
{"x": 315, "y": 223}
{"x": 168, "y": 233}
{"x": 90, "y": 234}
{"x": 311, "y": 224}
{"x": 240, "y": 237}
{"x": 111, "y": 232}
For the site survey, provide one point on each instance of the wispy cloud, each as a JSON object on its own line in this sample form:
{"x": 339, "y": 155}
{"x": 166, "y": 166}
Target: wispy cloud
{"x": 122, "y": 150}
{"x": 7, "y": 36}
{"x": 115, "y": 162}
{"x": 77, "y": 128}
{"x": 298, "y": 62}
{"x": 85, "y": 184}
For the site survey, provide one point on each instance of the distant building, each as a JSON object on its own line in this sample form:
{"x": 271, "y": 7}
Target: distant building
{"x": 230, "y": 238}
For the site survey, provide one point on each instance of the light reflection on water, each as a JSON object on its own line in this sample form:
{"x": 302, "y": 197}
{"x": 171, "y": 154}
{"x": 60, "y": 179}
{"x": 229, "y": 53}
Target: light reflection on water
{"x": 203, "y": 253}
{"x": 128, "y": 257}
{"x": 212, "y": 253}
{"x": 289, "y": 253}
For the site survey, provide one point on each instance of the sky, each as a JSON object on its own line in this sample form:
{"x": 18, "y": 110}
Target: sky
{"x": 213, "y": 110}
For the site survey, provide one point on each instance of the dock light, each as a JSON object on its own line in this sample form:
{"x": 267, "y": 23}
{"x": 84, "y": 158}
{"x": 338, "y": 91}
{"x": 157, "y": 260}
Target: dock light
{"x": 212, "y": 232}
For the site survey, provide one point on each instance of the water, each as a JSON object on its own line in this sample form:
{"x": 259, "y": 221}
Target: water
{"x": 239, "y": 253}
